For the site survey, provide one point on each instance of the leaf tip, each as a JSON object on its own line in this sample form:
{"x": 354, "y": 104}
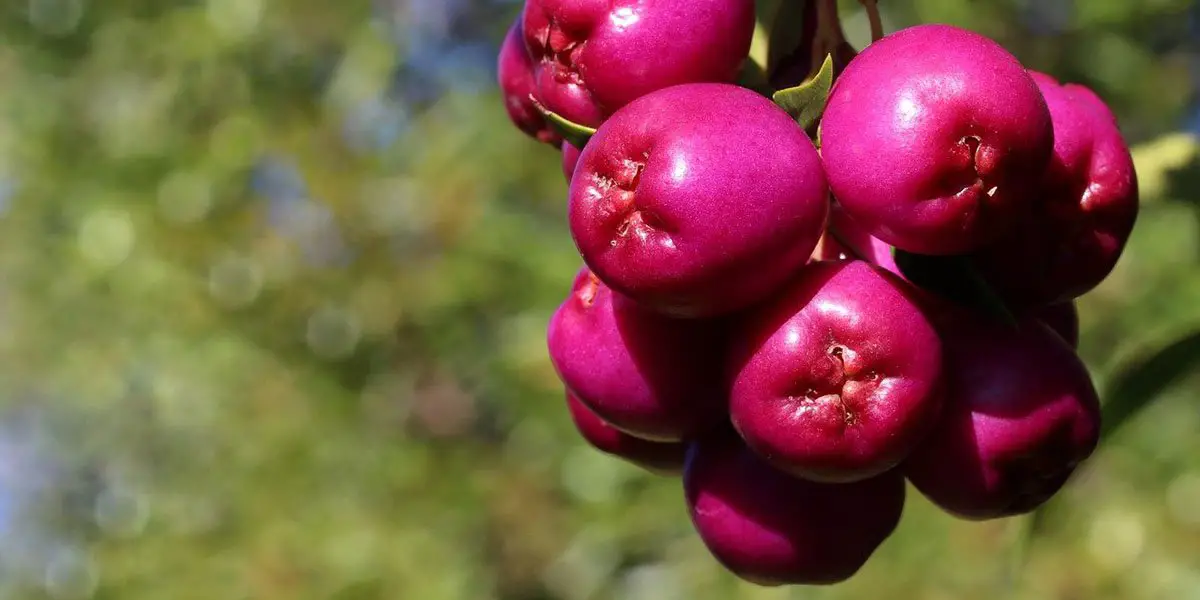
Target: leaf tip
{"x": 806, "y": 102}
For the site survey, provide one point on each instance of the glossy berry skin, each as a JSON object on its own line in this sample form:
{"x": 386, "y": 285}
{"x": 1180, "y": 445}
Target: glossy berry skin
{"x": 663, "y": 458}
{"x": 1063, "y": 318}
{"x": 773, "y": 529}
{"x": 570, "y": 158}
{"x": 837, "y": 378}
{"x": 698, "y": 200}
{"x": 845, "y": 239}
{"x": 593, "y": 57}
{"x": 935, "y": 138}
{"x": 650, "y": 376}
{"x": 1020, "y": 414}
{"x": 515, "y": 75}
{"x": 1084, "y": 213}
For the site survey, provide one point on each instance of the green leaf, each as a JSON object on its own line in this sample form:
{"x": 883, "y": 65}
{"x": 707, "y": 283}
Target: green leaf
{"x": 574, "y": 133}
{"x": 1134, "y": 386}
{"x": 806, "y": 101}
{"x": 953, "y": 278}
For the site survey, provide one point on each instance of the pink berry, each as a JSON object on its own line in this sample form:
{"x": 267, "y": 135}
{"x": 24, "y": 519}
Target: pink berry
{"x": 1084, "y": 211}
{"x": 659, "y": 457}
{"x": 515, "y": 74}
{"x": 698, "y": 200}
{"x": 773, "y": 529}
{"x": 570, "y": 158}
{"x": 650, "y": 376}
{"x": 837, "y": 378}
{"x": 1020, "y": 414}
{"x": 593, "y": 57}
{"x": 935, "y": 138}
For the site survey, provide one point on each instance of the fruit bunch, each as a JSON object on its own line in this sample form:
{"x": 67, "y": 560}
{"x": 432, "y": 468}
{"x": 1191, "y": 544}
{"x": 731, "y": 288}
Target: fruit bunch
{"x": 800, "y": 324}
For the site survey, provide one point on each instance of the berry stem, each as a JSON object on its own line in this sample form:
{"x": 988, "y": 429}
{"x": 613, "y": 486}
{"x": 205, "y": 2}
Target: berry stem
{"x": 829, "y": 30}
{"x": 872, "y": 8}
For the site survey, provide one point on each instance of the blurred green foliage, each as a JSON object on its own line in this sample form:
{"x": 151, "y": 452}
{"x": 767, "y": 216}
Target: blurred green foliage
{"x": 272, "y": 318}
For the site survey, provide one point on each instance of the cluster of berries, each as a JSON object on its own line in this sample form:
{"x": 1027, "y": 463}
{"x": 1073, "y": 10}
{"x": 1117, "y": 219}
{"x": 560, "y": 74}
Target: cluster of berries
{"x": 799, "y": 327}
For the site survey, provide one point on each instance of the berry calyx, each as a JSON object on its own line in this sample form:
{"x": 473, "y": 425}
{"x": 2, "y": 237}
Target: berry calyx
{"x": 935, "y": 139}
{"x": 838, "y": 377}
{"x": 1084, "y": 211}
{"x": 698, "y": 200}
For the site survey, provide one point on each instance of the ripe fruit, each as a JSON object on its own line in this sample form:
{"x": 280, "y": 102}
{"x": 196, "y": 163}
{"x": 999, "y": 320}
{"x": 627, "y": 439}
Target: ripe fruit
{"x": 1085, "y": 209}
{"x": 935, "y": 138}
{"x": 1020, "y": 414}
{"x": 741, "y": 317}
{"x": 515, "y": 74}
{"x": 698, "y": 200}
{"x": 570, "y": 158}
{"x": 659, "y": 457}
{"x": 591, "y": 58}
{"x": 1063, "y": 318}
{"x": 836, "y": 379}
{"x": 650, "y": 376}
{"x": 773, "y": 529}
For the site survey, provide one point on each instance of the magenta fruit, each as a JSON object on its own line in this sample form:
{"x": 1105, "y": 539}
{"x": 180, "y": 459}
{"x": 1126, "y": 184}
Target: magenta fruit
{"x": 515, "y": 74}
{"x": 659, "y": 457}
{"x": 650, "y": 376}
{"x": 836, "y": 378}
{"x": 1085, "y": 209}
{"x": 570, "y": 158}
{"x": 935, "y": 138}
{"x": 773, "y": 529}
{"x": 698, "y": 200}
{"x": 592, "y": 57}
{"x": 1020, "y": 415}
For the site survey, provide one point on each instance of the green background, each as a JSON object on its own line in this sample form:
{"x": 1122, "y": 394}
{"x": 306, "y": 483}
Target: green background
{"x": 274, "y": 280}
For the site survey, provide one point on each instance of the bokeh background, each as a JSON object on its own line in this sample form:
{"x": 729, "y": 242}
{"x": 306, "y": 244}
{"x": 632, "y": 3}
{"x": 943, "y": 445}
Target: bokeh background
{"x": 274, "y": 280}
